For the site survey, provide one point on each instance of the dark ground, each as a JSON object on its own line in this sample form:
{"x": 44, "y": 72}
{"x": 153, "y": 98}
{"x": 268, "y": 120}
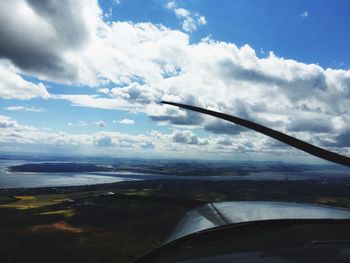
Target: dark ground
{"x": 90, "y": 224}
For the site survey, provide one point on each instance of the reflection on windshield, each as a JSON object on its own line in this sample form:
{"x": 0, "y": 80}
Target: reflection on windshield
{"x": 223, "y": 213}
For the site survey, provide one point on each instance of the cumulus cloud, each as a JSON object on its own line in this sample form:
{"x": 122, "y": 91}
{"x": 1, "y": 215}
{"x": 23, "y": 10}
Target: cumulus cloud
{"x": 185, "y": 137}
{"x": 190, "y": 21}
{"x": 144, "y": 63}
{"x": 161, "y": 64}
{"x": 179, "y": 143}
{"x": 11, "y": 132}
{"x": 13, "y": 86}
{"x": 38, "y": 36}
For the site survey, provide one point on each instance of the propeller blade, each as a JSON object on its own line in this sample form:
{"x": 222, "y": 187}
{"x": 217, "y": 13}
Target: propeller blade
{"x": 296, "y": 143}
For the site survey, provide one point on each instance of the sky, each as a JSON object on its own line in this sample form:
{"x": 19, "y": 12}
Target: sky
{"x": 86, "y": 77}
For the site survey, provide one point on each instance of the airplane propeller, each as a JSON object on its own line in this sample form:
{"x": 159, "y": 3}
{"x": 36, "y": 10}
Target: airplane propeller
{"x": 296, "y": 143}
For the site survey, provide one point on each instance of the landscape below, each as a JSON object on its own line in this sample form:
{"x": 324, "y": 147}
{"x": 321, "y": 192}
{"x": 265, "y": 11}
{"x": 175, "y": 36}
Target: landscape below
{"x": 119, "y": 222}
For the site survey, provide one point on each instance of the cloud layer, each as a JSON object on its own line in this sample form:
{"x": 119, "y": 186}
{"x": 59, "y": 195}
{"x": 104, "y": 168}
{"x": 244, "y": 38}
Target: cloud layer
{"x": 145, "y": 63}
{"x": 178, "y": 143}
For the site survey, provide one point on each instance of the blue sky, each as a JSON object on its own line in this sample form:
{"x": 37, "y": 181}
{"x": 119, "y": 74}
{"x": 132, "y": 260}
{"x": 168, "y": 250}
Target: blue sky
{"x": 321, "y": 36}
{"x": 99, "y": 70}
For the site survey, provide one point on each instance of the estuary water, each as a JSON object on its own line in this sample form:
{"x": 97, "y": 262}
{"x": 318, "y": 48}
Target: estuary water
{"x": 10, "y": 179}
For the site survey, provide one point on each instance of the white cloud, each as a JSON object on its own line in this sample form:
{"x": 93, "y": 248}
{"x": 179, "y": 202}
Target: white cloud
{"x": 189, "y": 25}
{"x": 161, "y": 64}
{"x": 80, "y": 124}
{"x": 171, "y": 5}
{"x": 148, "y": 63}
{"x": 94, "y": 101}
{"x": 181, "y": 12}
{"x": 13, "y": 86}
{"x": 126, "y": 121}
{"x": 190, "y": 21}
{"x": 179, "y": 143}
{"x": 156, "y": 142}
{"x": 100, "y": 124}
{"x": 48, "y": 34}
{"x": 104, "y": 90}
{"x": 304, "y": 14}
{"x": 188, "y": 137}
{"x": 23, "y": 108}
{"x": 202, "y": 20}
